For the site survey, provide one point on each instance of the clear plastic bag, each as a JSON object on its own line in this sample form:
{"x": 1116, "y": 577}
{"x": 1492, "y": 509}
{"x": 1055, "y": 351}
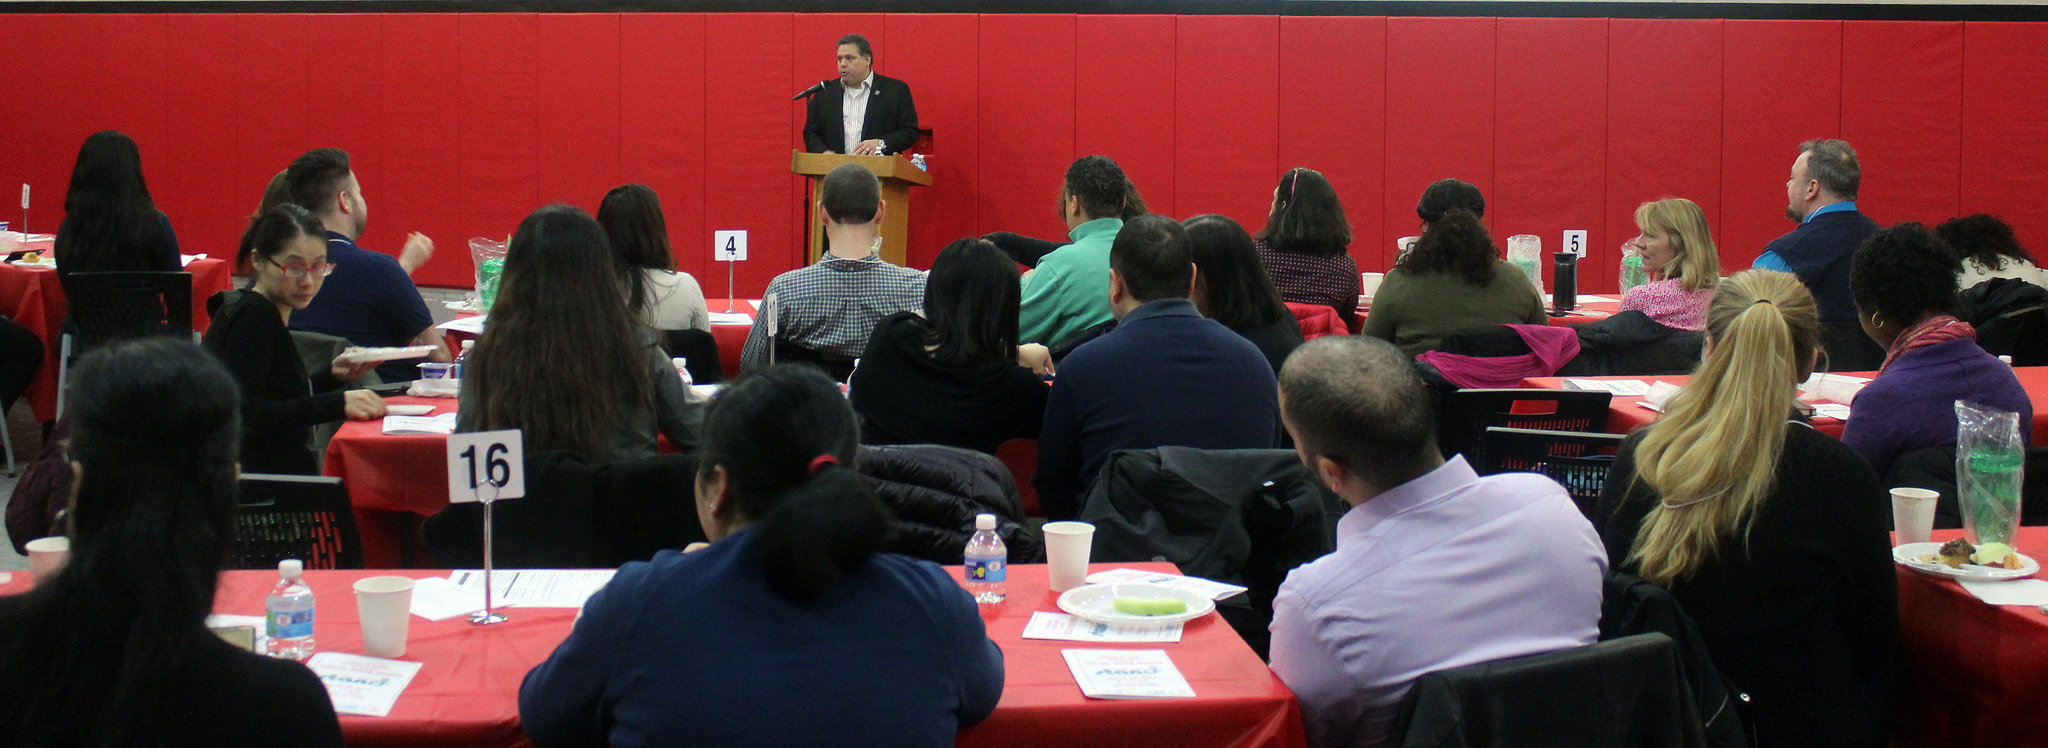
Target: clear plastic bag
{"x": 1526, "y": 252}
{"x": 489, "y": 256}
{"x": 1990, "y": 464}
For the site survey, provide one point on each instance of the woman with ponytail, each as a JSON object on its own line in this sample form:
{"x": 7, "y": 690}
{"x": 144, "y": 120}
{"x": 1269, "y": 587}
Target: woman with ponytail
{"x": 113, "y": 649}
{"x": 791, "y": 627}
{"x": 1772, "y": 536}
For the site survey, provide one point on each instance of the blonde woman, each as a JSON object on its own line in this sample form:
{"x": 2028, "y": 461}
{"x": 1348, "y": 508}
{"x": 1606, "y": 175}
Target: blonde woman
{"x": 1679, "y": 256}
{"x": 1772, "y": 536}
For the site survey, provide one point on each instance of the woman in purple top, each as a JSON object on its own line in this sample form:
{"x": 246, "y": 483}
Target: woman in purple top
{"x": 1679, "y": 255}
{"x": 1903, "y": 282}
{"x": 1303, "y": 244}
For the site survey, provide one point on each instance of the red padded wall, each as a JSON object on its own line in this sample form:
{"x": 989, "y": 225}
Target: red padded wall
{"x": 661, "y": 130}
{"x": 750, "y": 125}
{"x": 578, "y": 106}
{"x": 1440, "y": 107}
{"x": 1782, "y": 85}
{"x": 1902, "y": 108}
{"x": 1663, "y": 124}
{"x": 1227, "y": 117}
{"x": 416, "y": 183}
{"x": 499, "y": 116}
{"x": 198, "y": 189}
{"x": 1027, "y": 121}
{"x": 2005, "y": 137}
{"x": 1551, "y": 133}
{"x": 1124, "y": 101}
{"x": 943, "y": 52}
{"x": 1332, "y": 115}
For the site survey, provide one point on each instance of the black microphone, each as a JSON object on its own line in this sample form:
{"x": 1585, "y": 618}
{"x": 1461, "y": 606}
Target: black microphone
{"x": 812, "y": 91}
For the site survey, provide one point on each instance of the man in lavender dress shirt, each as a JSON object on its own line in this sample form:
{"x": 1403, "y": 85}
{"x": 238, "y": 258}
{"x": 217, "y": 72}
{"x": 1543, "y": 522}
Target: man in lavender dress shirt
{"x": 1435, "y": 567}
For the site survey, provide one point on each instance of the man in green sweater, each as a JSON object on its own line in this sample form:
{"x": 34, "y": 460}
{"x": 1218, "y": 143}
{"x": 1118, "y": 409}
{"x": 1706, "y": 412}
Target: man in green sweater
{"x": 1068, "y": 291}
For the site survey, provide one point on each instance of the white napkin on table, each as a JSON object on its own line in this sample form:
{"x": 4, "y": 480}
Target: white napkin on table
{"x": 2012, "y": 592}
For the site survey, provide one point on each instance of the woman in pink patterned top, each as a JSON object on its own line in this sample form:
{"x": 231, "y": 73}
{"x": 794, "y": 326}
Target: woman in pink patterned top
{"x": 1679, "y": 256}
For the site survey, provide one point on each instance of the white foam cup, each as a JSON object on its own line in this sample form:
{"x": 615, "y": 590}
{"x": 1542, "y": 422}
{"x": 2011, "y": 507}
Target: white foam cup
{"x": 1066, "y": 553}
{"x": 1913, "y": 514}
{"x": 47, "y": 556}
{"x": 1369, "y": 283}
{"x": 384, "y": 608}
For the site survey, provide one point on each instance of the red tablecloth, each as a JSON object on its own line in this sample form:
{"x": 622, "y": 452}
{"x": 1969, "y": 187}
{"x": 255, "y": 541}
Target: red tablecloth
{"x": 23, "y": 287}
{"x": 1625, "y": 414}
{"x": 732, "y": 338}
{"x": 466, "y": 694}
{"x": 1582, "y": 313}
{"x": 1974, "y": 673}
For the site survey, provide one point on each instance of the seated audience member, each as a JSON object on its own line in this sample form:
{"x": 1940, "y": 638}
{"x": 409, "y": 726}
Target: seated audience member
{"x": 1821, "y": 198}
{"x": 370, "y": 299}
{"x": 1165, "y": 376}
{"x": 1900, "y": 282}
{"x": 153, "y": 443}
{"x": 875, "y": 648}
{"x": 1988, "y": 250}
{"x": 284, "y": 252}
{"x": 1436, "y": 567}
{"x": 1679, "y": 256}
{"x": 1067, "y": 289}
{"x": 1774, "y": 537}
{"x": 564, "y": 359}
{"x": 663, "y": 298}
{"x": 1445, "y": 195}
{"x": 1303, "y": 246}
{"x": 110, "y": 223}
{"x": 1234, "y": 289}
{"x": 956, "y": 375}
{"x": 1453, "y": 280}
{"x": 825, "y": 312}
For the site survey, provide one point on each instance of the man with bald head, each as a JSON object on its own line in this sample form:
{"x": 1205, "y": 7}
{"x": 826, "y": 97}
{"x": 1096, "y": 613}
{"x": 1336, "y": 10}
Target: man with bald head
{"x": 1436, "y": 567}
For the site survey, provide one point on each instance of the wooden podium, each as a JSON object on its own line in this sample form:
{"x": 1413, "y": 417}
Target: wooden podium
{"x": 898, "y": 175}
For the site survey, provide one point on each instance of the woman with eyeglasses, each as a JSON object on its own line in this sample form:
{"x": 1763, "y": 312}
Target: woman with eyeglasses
{"x": 284, "y": 252}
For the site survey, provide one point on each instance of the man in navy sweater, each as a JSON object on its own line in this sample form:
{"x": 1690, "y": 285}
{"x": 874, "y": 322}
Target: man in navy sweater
{"x": 1821, "y": 196}
{"x": 1165, "y": 377}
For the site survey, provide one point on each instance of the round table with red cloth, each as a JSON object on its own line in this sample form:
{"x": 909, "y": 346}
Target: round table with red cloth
{"x": 466, "y": 694}
{"x": 1626, "y": 413}
{"x": 1974, "y": 674}
{"x": 731, "y": 336}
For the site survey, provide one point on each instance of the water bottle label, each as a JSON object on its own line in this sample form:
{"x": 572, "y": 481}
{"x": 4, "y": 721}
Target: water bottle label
{"x": 291, "y": 624}
{"x": 987, "y": 570}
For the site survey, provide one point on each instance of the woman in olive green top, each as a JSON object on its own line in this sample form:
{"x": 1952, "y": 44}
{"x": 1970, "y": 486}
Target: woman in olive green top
{"x": 1453, "y": 280}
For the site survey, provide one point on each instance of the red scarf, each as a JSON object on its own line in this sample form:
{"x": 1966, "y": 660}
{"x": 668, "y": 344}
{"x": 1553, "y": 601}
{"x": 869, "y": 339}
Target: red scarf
{"x": 1935, "y": 330}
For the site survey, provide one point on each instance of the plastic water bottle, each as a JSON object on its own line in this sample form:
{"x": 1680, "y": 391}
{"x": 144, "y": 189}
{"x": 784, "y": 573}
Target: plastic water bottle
{"x": 682, "y": 364}
{"x": 288, "y": 613}
{"x": 988, "y": 561}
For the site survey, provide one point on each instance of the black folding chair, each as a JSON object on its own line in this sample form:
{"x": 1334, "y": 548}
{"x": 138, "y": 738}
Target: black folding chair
{"x": 307, "y": 517}
{"x": 701, "y": 350}
{"x": 1466, "y": 414}
{"x": 111, "y": 307}
{"x": 1578, "y": 461}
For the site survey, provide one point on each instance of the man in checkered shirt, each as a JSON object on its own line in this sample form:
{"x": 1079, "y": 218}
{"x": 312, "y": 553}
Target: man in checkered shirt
{"x": 826, "y": 311}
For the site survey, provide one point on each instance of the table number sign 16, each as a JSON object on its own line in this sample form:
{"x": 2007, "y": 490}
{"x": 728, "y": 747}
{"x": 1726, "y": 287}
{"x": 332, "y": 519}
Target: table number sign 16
{"x": 482, "y": 461}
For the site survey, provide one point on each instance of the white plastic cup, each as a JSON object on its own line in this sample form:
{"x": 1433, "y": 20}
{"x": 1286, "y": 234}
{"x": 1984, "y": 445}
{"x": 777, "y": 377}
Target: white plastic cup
{"x": 47, "y": 556}
{"x": 384, "y": 608}
{"x": 1066, "y": 553}
{"x": 1369, "y": 283}
{"x": 1913, "y": 514}
{"x": 1405, "y": 244}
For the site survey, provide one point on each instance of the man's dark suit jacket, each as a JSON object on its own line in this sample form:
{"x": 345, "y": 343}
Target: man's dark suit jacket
{"x": 892, "y": 116}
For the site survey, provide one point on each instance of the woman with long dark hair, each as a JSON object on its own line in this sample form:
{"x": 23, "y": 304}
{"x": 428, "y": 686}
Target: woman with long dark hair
{"x": 1453, "y": 280}
{"x": 113, "y": 650}
{"x": 1304, "y": 243}
{"x": 110, "y": 224}
{"x": 564, "y": 359}
{"x": 284, "y": 252}
{"x": 664, "y": 298}
{"x": 1773, "y": 536}
{"x": 791, "y": 628}
{"x": 956, "y": 375}
{"x": 1232, "y": 288}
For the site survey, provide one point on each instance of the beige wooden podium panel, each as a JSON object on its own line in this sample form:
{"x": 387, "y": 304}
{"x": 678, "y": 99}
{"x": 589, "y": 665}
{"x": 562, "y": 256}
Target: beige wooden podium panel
{"x": 897, "y": 174}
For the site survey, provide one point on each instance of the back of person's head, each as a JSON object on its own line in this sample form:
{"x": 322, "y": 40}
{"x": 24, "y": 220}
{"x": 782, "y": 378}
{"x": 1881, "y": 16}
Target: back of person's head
{"x": 1698, "y": 262}
{"x": 277, "y": 192}
{"x": 1151, "y": 255}
{"x": 1103, "y": 189}
{"x": 971, "y": 300}
{"x": 633, "y": 224}
{"x": 315, "y": 177}
{"x": 1455, "y": 244}
{"x": 1713, "y": 457}
{"x": 1446, "y": 195}
{"x": 272, "y": 232}
{"x": 1357, "y": 401}
{"x": 1983, "y": 238}
{"x": 110, "y": 222}
{"x": 562, "y": 347}
{"x": 1238, "y": 292}
{"x": 1903, "y": 274}
{"x": 1833, "y": 162}
{"x": 787, "y": 439}
{"x": 155, "y": 432}
{"x": 1307, "y": 216}
{"x": 851, "y": 194}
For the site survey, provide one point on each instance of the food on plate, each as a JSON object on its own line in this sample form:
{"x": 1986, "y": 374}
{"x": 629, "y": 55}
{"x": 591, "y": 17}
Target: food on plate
{"x": 1955, "y": 553}
{"x": 1150, "y": 606}
{"x": 1996, "y": 554}
{"x": 32, "y": 257}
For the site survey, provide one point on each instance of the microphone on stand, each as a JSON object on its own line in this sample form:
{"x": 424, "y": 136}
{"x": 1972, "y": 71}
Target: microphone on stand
{"x": 812, "y": 91}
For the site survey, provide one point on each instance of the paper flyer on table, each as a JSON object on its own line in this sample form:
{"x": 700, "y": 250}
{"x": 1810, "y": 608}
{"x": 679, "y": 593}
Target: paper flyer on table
{"x": 1063, "y": 627}
{"x": 731, "y": 318}
{"x": 2012, "y": 592}
{"x": 1207, "y": 588}
{"x": 472, "y": 325}
{"x": 437, "y": 599}
{"x": 368, "y": 686}
{"x": 1127, "y": 674}
{"x": 536, "y": 588}
{"x": 1622, "y": 387}
{"x": 441, "y": 424}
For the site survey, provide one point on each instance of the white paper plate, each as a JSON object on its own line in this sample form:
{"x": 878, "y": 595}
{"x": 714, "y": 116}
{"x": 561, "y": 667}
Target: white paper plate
{"x": 1907, "y": 555}
{"x": 1097, "y": 602}
{"x": 387, "y": 354}
{"x": 408, "y": 410}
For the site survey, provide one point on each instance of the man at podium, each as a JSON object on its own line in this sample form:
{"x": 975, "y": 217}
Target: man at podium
{"x": 861, "y": 113}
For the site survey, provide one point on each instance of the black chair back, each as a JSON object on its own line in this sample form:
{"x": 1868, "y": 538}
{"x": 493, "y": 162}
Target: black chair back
{"x": 307, "y": 517}
{"x": 1577, "y": 461}
{"x": 108, "y": 307}
{"x": 1623, "y": 693}
{"x": 1466, "y": 414}
{"x": 701, "y": 348}
{"x": 835, "y": 367}
{"x": 576, "y": 515}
